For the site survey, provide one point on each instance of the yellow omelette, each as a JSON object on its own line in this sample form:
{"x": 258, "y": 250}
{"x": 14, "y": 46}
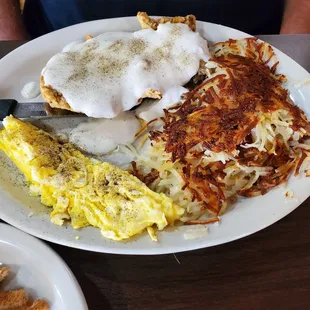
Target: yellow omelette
{"x": 83, "y": 190}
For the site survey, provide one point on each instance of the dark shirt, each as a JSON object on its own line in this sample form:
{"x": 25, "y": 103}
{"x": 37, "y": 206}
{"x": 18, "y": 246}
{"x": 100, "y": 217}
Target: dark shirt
{"x": 254, "y": 17}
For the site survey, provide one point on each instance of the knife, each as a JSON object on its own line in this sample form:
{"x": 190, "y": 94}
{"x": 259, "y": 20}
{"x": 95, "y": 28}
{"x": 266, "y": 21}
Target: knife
{"x": 21, "y": 110}
{"x": 31, "y": 109}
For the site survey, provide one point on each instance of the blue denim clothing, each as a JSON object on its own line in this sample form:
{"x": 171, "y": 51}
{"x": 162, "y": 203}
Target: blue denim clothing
{"x": 255, "y": 17}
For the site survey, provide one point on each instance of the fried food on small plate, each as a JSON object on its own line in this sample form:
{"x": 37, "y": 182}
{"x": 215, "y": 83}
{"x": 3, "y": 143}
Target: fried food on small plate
{"x": 4, "y": 271}
{"x": 13, "y": 299}
{"x": 38, "y": 304}
{"x": 18, "y": 299}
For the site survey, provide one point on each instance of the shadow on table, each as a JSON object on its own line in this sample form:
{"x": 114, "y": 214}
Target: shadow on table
{"x": 94, "y": 297}
{"x": 99, "y": 283}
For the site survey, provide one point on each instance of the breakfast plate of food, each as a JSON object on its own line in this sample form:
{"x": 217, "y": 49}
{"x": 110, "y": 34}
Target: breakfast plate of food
{"x": 27, "y": 280}
{"x": 161, "y": 135}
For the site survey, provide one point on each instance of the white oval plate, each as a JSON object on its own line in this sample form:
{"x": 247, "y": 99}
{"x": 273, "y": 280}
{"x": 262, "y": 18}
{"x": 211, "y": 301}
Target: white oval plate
{"x": 37, "y": 268}
{"x": 248, "y": 216}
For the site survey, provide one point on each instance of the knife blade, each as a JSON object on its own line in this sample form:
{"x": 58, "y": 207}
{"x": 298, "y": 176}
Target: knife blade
{"x": 21, "y": 110}
{"x": 31, "y": 109}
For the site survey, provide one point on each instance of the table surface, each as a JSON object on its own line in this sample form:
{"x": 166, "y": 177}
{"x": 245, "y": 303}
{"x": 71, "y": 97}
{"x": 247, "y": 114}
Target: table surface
{"x": 268, "y": 270}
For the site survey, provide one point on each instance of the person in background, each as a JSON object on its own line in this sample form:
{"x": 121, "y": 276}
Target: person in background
{"x": 26, "y": 19}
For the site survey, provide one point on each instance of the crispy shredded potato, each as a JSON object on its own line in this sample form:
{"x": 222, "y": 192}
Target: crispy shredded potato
{"x": 235, "y": 134}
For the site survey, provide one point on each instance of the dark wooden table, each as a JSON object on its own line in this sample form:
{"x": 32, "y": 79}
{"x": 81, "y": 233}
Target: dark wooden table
{"x": 268, "y": 270}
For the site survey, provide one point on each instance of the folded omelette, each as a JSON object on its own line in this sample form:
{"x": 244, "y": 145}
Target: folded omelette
{"x": 83, "y": 190}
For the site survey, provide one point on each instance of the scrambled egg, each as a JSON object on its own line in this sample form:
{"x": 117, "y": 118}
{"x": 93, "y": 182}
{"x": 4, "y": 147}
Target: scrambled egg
{"x": 84, "y": 190}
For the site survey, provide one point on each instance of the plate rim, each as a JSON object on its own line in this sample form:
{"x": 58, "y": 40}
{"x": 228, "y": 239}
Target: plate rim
{"x": 154, "y": 250}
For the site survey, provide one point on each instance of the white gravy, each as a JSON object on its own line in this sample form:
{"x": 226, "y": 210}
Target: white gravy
{"x": 155, "y": 108}
{"x": 69, "y": 47}
{"x": 108, "y": 74}
{"x": 100, "y": 136}
{"x": 31, "y": 90}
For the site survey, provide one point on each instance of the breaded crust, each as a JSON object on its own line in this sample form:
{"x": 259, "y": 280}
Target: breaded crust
{"x": 4, "y": 271}
{"x": 39, "y": 304}
{"x": 56, "y": 100}
{"x": 147, "y": 22}
{"x": 53, "y": 97}
{"x": 18, "y": 299}
{"x": 13, "y": 299}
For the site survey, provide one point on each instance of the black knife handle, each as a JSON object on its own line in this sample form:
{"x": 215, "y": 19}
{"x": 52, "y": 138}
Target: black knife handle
{"x": 7, "y": 107}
